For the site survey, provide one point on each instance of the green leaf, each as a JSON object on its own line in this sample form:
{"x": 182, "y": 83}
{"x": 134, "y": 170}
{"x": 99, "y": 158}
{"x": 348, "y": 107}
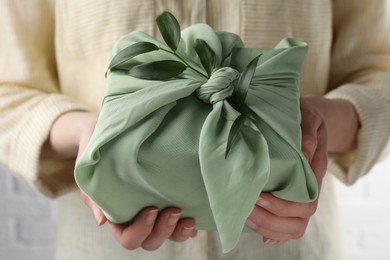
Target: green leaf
{"x": 158, "y": 70}
{"x": 169, "y": 29}
{"x": 244, "y": 82}
{"x": 206, "y": 55}
{"x": 130, "y": 52}
{"x": 234, "y": 132}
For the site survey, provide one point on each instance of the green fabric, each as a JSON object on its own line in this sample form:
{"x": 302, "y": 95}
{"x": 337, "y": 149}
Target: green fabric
{"x": 163, "y": 143}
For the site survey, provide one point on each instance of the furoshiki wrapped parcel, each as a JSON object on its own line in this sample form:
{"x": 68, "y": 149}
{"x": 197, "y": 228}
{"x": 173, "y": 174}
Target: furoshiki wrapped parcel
{"x": 198, "y": 122}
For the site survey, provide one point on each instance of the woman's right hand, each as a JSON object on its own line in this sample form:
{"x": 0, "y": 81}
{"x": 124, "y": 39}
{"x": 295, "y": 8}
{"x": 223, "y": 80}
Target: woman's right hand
{"x": 68, "y": 138}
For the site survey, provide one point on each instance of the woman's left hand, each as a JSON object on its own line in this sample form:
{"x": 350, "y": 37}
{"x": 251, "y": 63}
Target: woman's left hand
{"x": 279, "y": 220}
{"x": 328, "y": 125}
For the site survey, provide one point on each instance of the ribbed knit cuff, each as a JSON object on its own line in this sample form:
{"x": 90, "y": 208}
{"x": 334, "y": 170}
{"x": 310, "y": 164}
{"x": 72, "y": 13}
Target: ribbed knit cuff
{"x": 50, "y": 177}
{"x": 373, "y": 108}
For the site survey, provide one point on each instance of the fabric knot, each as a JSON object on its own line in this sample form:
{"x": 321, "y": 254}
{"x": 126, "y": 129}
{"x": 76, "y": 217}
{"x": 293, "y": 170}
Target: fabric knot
{"x": 219, "y": 86}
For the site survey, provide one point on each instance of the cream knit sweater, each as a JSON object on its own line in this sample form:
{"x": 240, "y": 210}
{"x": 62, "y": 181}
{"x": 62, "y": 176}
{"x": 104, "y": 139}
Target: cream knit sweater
{"x": 53, "y": 55}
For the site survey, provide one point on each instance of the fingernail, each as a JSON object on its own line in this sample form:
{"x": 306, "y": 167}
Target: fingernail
{"x": 251, "y": 224}
{"x": 267, "y": 241}
{"x": 263, "y": 203}
{"x": 173, "y": 218}
{"x": 272, "y": 242}
{"x": 151, "y": 217}
{"x": 187, "y": 231}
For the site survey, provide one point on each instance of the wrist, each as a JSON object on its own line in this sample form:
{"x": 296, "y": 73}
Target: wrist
{"x": 341, "y": 120}
{"x": 66, "y": 133}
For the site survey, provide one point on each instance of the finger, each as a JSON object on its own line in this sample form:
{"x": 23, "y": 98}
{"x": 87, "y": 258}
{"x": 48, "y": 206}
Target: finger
{"x": 184, "y": 230}
{"x": 295, "y": 233}
{"x": 163, "y": 228}
{"x": 284, "y": 208}
{"x": 319, "y": 161}
{"x": 309, "y": 124}
{"x": 132, "y": 236}
{"x": 275, "y": 227}
{"x": 271, "y": 235}
{"x": 98, "y": 214}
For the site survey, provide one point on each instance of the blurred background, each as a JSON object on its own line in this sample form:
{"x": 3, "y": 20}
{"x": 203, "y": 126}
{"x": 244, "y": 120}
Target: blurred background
{"x": 365, "y": 214}
{"x": 27, "y": 219}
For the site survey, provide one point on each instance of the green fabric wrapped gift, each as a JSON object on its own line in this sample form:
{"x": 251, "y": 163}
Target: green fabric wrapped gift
{"x": 200, "y": 123}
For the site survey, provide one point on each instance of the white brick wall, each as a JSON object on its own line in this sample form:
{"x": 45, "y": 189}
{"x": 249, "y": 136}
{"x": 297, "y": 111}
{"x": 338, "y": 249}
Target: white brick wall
{"x": 27, "y": 218}
{"x": 26, "y": 222}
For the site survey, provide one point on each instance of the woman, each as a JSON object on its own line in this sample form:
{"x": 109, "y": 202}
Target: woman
{"x": 54, "y": 55}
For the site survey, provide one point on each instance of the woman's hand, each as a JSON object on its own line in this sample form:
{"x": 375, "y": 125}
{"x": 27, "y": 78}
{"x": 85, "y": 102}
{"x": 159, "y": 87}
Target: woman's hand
{"x": 68, "y": 138}
{"x": 150, "y": 229}
{"x": 69, "y": 135}
{"x": 327, "y": 125}
{"x": 279, "y": 220}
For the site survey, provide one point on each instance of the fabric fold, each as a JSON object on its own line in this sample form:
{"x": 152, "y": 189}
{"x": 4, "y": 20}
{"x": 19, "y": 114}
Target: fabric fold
{"x": 163, "y": 142}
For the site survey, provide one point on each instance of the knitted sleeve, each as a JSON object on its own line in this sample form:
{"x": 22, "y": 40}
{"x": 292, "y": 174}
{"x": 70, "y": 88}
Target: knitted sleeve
{"x": 360, "y": 73}
{"x": 30, "y": 98}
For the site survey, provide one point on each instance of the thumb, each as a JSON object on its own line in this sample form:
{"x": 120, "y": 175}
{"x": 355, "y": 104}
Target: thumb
{"x": 98, "y": 215}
